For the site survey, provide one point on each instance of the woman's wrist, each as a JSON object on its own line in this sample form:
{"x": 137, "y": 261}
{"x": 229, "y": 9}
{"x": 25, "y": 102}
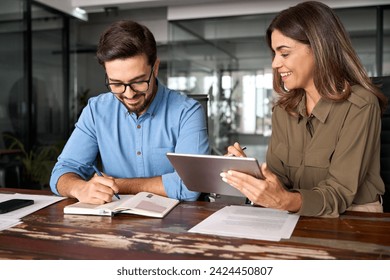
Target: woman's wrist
{"x": 294, "y": 202}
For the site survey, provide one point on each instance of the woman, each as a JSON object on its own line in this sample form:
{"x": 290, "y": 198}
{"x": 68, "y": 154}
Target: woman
{"x": 324, "y": 154}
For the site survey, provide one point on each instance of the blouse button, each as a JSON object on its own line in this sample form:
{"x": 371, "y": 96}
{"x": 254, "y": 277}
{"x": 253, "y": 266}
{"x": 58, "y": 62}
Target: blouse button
{"x": 138, "y": 153}
{"x": 139, "y": 126}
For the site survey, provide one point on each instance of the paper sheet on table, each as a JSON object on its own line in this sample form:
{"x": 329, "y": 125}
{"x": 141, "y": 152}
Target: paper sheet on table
{"x": 8, "y": 223}
{"x": 249, "y": 222}
{"x": 40, "y": 201}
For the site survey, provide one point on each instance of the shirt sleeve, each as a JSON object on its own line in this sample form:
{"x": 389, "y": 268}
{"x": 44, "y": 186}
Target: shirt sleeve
{"x": 279, "y": 132}
{"x": 79, "y": 152}
{"x": 192, "y": 139}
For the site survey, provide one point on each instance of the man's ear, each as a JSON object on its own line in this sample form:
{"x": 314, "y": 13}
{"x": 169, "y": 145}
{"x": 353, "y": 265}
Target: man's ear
{"x": 156, "y": 67}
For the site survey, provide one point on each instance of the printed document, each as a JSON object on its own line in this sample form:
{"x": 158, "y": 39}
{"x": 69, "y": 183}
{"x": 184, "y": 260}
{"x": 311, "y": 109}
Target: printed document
{"x": 249, "y": 222}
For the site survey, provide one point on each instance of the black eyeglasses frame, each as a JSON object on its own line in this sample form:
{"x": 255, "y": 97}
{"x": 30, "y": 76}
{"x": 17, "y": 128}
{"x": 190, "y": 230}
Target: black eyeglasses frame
{"x": 108, "y": 85}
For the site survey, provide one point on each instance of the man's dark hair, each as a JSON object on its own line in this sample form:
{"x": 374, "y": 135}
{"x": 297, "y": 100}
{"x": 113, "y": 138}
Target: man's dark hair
{"x": 124, "y": 39}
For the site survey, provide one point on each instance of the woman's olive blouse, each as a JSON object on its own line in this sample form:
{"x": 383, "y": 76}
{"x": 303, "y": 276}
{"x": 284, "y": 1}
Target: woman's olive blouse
{"x": 331, "y": 157}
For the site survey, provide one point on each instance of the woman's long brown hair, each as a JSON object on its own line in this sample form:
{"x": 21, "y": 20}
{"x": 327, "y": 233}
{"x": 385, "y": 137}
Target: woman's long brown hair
{"x": 337, "y": 66}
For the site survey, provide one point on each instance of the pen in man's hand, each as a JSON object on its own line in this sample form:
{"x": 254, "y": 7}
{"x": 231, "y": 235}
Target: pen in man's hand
{"x": 231, "y": 155}
{"x": 100, "y": 174}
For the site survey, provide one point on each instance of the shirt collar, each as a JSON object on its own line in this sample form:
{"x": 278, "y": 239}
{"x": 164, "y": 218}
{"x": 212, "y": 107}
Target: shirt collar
{"x": 321, "y": 110}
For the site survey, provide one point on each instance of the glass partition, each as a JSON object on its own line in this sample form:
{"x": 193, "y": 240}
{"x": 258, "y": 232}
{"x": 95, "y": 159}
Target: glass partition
{"x": 32, "y": 73}
{"x": 48, "y": 76}
{"x": 33, "y": 104}
{"x": 13, "y": 101}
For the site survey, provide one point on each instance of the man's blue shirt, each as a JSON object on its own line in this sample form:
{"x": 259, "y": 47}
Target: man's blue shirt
{"x": 131, "y": 147}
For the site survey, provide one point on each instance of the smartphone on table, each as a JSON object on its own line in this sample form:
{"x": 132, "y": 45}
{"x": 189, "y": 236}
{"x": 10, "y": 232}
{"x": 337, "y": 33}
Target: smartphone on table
{"x": 14, "y": 204}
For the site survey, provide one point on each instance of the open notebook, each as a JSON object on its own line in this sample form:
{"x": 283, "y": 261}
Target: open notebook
{"x": 143, "y": 203}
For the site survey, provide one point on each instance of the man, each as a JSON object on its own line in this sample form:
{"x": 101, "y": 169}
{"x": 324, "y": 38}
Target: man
{"x": 130, "y": 128}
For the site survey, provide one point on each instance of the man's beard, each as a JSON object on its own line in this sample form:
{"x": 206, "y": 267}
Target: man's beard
{"x": 139, "y": 108}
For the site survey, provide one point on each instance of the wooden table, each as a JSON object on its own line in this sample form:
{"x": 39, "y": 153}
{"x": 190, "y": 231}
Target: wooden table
{"x": 49, "y": 234}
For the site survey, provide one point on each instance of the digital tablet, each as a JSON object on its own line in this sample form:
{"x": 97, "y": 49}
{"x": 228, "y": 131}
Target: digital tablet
{"x": 200, "y": 173}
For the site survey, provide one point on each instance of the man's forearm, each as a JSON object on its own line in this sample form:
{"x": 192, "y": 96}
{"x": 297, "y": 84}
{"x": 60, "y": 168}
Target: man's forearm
{"x": 136, "y": 185}
{"x": 68, "y": 183}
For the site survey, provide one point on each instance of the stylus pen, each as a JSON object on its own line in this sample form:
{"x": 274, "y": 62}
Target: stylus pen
{"x": 231, "y": 155}
{"x": 100, "y": 174}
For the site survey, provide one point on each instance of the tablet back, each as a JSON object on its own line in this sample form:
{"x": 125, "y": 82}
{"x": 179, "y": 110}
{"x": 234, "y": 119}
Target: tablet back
{"x": 200, "y": 173}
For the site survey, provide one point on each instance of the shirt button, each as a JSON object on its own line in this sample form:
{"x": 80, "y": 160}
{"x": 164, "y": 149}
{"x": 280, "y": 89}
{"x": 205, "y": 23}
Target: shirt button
{"x": 139, "y": 126}
{"x": 138, "y": 153}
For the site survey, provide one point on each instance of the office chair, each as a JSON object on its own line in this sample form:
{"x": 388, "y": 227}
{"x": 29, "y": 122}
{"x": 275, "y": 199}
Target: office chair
{"x": 384, "y": 84}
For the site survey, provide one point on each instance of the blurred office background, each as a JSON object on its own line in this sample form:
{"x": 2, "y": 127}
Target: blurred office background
{"x": 213, "y": 50}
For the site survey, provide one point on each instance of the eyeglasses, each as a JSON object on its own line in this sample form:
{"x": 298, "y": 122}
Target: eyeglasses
{"x": 139, "y": 87}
